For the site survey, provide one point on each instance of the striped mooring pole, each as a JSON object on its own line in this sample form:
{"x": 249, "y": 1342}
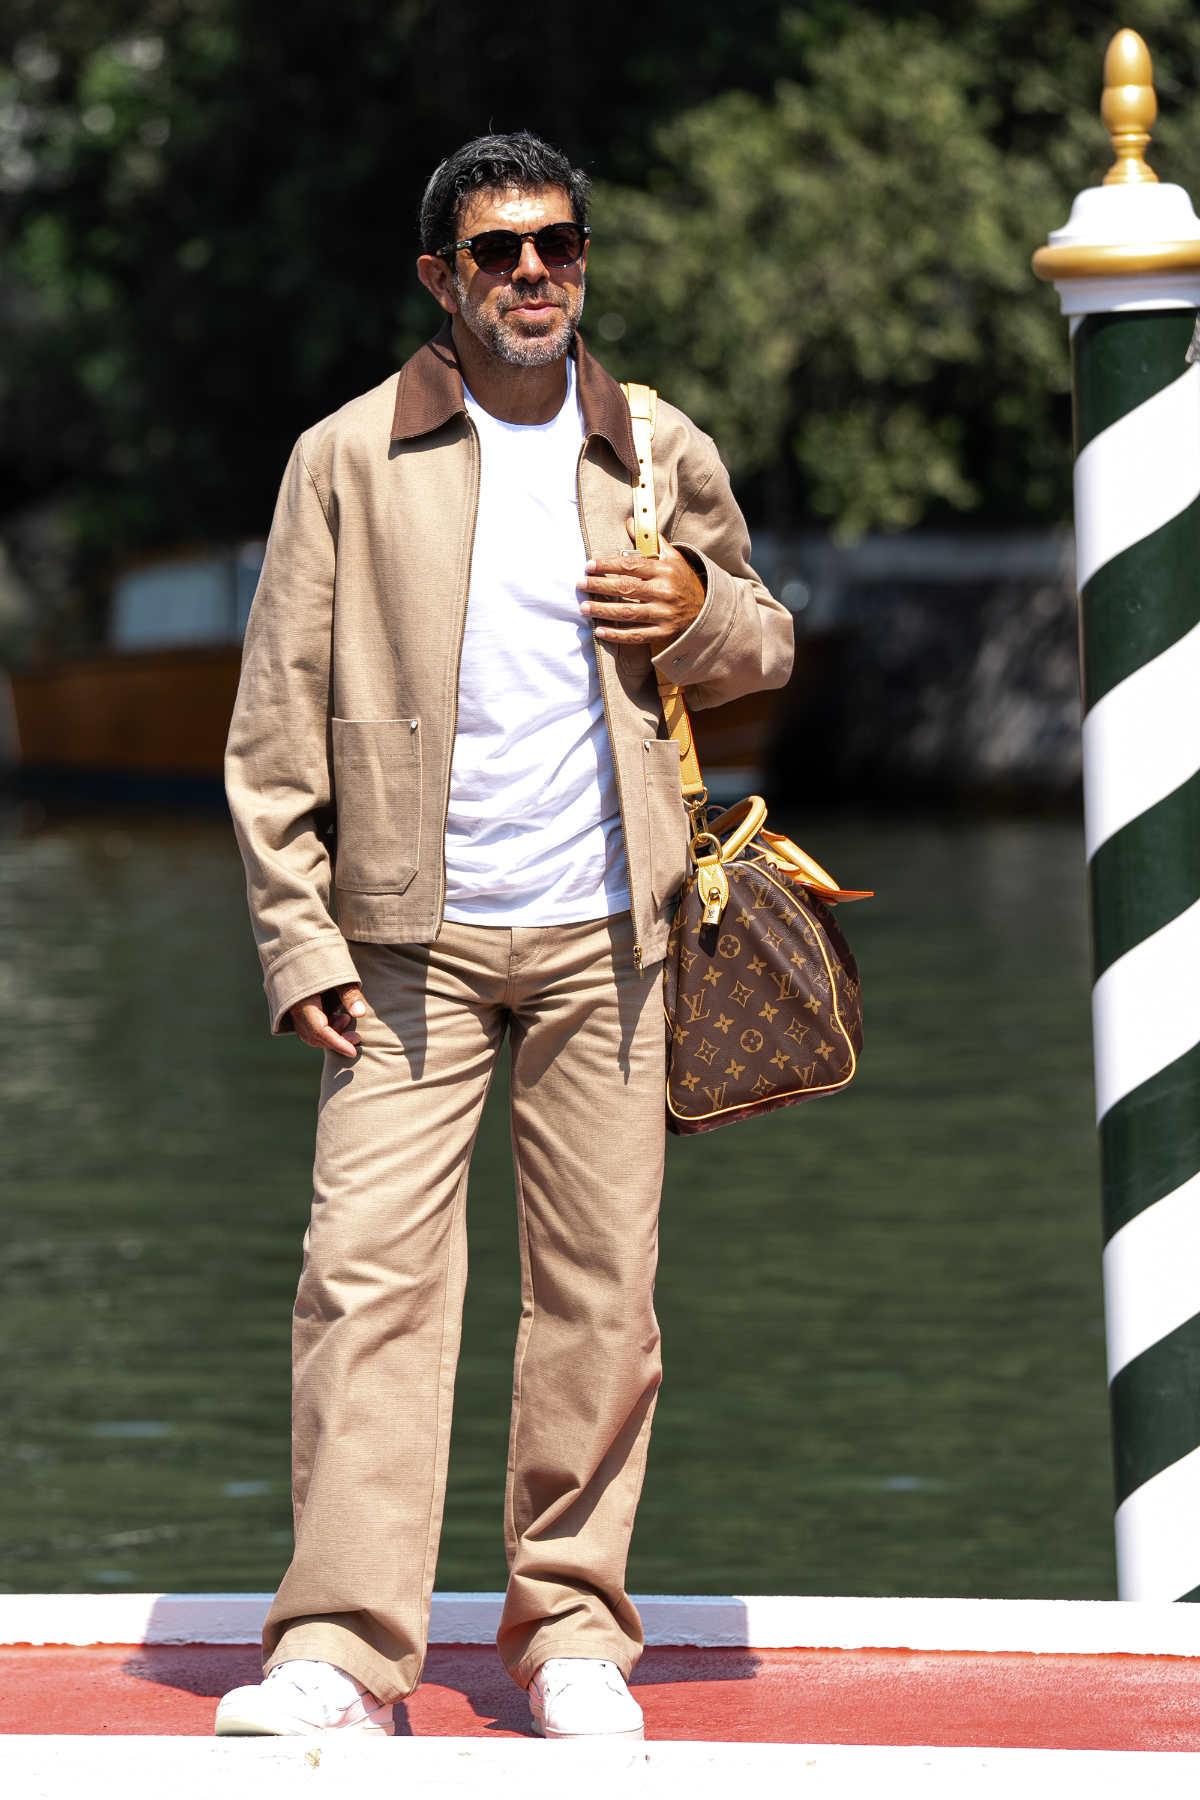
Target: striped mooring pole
{"x": 1127, "y": 270}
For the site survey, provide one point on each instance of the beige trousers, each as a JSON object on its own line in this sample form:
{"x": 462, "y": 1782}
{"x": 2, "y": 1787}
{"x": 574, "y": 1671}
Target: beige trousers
{"x": 378, "y": 1311}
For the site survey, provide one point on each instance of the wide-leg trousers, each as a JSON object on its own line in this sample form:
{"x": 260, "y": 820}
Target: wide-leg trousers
{"x": 378, "y": 1310}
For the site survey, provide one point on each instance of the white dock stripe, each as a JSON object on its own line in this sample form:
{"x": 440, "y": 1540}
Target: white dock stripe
{"x": 1158, "y": 1545}
{"x": 450, "y": 1768}
{"x": 713, "y": 1621}
{"x": 1141, "y": 740}
{"x": 1137, "y": 474}
{"x": 1150, "y": 1275}
{"x": 1146, "y": 1009}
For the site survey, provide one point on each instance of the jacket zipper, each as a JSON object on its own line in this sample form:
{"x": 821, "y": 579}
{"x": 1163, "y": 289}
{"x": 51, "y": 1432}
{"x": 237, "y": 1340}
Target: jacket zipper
{"x": 462, "y": 632}
{"x": 637, "y": 948}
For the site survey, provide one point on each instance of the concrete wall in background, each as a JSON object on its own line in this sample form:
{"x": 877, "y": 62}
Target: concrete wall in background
{"x": 930, "y": 669}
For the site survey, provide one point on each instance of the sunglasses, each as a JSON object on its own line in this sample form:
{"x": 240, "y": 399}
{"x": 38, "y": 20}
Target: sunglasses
{"x": 499, "y": 252}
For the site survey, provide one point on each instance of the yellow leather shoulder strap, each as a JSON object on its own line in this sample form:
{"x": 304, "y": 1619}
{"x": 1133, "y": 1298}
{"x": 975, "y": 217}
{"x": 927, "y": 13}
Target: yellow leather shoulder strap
{"x": 643, "y": 410}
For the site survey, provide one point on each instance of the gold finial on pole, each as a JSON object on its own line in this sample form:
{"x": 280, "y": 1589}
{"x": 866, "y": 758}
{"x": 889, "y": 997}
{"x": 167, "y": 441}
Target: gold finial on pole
{"x": 1119, "y": 237}
{"x": 1129, "y": 107}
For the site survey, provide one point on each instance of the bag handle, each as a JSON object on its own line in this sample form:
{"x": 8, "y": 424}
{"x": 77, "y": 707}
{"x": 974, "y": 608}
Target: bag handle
{"x": 643, "y": 409}
{"x": 747, "y": 820}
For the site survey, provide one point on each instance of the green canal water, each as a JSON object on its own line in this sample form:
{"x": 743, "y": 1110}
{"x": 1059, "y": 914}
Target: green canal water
{"x": 882, "y": 1312}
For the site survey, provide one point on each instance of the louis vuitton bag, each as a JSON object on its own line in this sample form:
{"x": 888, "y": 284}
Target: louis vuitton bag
{"x": 760, "y": 988}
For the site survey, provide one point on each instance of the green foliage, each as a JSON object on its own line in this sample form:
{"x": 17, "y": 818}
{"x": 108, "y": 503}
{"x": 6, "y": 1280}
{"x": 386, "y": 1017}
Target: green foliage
{"x": 835, "y": 279}
{"x": 813, "y": 230}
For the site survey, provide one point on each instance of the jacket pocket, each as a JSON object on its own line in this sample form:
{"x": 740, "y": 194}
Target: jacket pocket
{"x": 665, "y": 818}
{"x": 377, "y": 789}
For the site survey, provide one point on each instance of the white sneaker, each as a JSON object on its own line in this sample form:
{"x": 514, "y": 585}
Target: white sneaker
{"x": 299, "y": 1697}
{"x": 574, "y": 1696}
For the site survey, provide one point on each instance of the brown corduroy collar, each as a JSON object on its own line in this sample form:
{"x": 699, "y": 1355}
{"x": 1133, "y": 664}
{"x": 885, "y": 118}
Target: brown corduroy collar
{"x": 429, "y": 391}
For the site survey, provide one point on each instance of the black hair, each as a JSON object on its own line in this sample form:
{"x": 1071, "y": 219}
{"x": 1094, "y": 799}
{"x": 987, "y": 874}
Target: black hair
{"x": 492, "y": 164}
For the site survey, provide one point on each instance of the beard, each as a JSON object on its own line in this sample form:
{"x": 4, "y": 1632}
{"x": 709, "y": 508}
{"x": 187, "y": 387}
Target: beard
{"x": 525, "y": 343}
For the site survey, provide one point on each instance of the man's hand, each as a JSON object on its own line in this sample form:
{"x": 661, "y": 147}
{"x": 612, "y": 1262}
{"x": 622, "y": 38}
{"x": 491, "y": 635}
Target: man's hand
{"x": 330, "y": 1030}
{"x": 642, "y": 599}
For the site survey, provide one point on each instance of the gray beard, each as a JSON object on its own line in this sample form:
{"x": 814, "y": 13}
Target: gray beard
{"x": 508, "y": 343}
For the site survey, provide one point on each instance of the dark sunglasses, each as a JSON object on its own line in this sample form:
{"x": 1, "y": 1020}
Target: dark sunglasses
{"x": 499, "y": 252}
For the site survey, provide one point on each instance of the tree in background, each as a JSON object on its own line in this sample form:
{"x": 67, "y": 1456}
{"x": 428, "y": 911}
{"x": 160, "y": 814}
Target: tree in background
{"x": 812, "y": 230}
{"x": 834, "y": 277}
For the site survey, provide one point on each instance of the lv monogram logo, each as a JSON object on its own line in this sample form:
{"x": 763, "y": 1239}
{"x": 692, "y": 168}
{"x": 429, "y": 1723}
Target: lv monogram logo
{"x": 758, "y": 1005}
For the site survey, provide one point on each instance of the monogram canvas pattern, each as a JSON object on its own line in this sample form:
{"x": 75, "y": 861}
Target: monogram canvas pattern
{"x": 764, "y": 1009}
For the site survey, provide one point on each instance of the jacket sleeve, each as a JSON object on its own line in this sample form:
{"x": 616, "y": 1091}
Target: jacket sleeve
{"x": 277, "y": 761}
{"x": 741, "y": 639}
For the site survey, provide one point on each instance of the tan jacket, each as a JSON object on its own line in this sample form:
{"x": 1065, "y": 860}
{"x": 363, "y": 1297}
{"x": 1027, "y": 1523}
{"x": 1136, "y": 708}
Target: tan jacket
{"x": 349, "y": 689}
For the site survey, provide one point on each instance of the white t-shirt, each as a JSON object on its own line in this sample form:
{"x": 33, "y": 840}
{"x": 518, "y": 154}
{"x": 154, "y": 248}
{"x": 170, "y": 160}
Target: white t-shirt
{"x": 533, "y": 834}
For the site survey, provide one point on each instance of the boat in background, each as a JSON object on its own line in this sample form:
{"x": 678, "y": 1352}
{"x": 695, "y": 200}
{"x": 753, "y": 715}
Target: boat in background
{"x": 146, "y": 716}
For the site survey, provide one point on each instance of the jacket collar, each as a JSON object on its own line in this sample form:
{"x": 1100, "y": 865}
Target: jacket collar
{"x": 429, "y": 391}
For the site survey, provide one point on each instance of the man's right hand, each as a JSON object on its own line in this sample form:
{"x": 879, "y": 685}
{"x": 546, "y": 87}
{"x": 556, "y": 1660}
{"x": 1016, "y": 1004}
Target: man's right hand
{"x": 332, "y": 1029}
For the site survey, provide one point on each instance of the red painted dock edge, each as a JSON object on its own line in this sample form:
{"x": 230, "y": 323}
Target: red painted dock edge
{"x": 1005, "y": 1700}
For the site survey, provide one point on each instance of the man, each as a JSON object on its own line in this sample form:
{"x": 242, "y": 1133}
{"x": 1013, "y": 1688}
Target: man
{"x": 448, "y": 712}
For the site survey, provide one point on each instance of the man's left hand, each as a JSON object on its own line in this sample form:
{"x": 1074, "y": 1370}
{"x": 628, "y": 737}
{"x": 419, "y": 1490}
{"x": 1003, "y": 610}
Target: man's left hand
{"x": 637, "y": 599}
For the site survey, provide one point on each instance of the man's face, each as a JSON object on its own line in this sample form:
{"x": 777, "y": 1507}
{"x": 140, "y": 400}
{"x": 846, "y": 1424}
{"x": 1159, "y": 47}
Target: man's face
{"x": 527, "y": 316}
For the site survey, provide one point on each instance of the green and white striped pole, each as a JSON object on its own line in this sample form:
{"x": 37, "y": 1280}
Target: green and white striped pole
{"x": 1127, "y": 269}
